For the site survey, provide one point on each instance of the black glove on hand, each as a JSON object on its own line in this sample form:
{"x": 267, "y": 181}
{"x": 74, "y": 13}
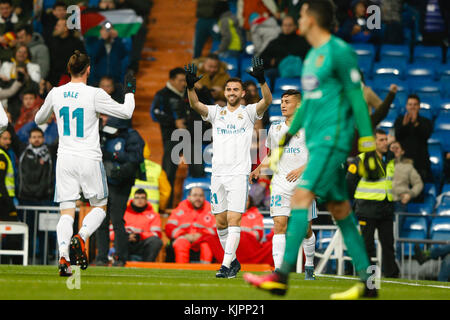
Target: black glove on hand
{"x": 258, "y": 70}
{"x": 130, "y": 83}
{"x": 372, "y": 166}
{"x": 191, "y": 75}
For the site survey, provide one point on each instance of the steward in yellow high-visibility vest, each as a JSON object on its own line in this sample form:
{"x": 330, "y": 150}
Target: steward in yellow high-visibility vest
{"x": 156, "y": 186}
{"x": 7, "y": 186}
{"x": 373, "y": 203}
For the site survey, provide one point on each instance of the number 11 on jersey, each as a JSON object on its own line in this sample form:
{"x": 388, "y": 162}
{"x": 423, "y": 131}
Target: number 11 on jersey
{"x": 77, "y": 114}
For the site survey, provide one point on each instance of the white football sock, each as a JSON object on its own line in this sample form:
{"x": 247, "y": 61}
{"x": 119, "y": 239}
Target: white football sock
{"x": 223, "y": 235}
{"x": 278, "y": 247}
{"x": 64, "y": 232}
{"x": 309, "y": 246}
{"x": 91, "y": 222}
{"x": 234, "y": 235}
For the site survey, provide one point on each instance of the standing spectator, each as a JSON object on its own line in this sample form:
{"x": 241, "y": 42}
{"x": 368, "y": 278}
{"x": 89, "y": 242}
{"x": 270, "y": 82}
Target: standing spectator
{"x": 231, "y": 35}
{"x": 188, "y": 223}
{"x": 156, "y": 186}
{"x": 143, "y": 227}
{"x": 391, "y": 14}
{"x": 115, "y": 90}
{"x": 107, "y": 53}
{"x": 38, "y": 49}
{"x": 292, "y": 7}
{"x": 36, "y": 171}
{"x": 164, "y": 110}
{"x": 50, "y": 18}
{"x": 373, "y": 204}
{"x": 206, "y": 19}
{"x": 407, "y": 184}
{"x": 288, "y": 43}
{"x": 262, "y": 31}
{"x": 413, "y": 131}
{"x": 215, "y": 76}
{"x": 62, "y": 45}
{"x": 245, "y": 8}
{"x": 31, "y": 104}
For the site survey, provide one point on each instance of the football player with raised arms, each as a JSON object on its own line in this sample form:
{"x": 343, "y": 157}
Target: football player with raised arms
{"x": 232, "y": 127}
{"x": 285, "y": 180}
{"x": 79, "y": 166}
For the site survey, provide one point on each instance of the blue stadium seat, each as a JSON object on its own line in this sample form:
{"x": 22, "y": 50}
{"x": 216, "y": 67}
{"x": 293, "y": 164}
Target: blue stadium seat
{"x": 207, "y": 153}
{"x": 444, "y": 79}
{"x": 426, "y": 113}
{"x": 204, "y": 183}
{"x": 423, "y": 208}
{"x": 398, "y": 53}
{"x": 419, "y": 72}
{"x": 283, "y": 84}
{"x": 388, "y": 122}
{"x": 275, "y": 112}
{"x": 48, "y": 4}
{"x": 387, "y": 72}
{"x": 414, "y": 228}
{"x": 232, "y": 65}
{"x": 440, "y": 229}
{"x": 426, "y": 90}
{"x": 366, "y": 56}
{"x": 443, "y": 210}
{"x": 276, "y": 97}
{"x": 323, "y": 238}
{"x": 436, "y": 159}
{"x": 444, "y": 107}
{"x": 430, "y": 55}
{"x": 381, "y": 88}
{"x": 245, "y": 65}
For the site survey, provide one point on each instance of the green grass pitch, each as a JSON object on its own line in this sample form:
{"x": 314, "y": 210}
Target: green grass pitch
{"x": 43, "y": 282}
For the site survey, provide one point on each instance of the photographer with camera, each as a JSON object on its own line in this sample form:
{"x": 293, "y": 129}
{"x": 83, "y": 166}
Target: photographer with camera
{"x": 122, "y": 149}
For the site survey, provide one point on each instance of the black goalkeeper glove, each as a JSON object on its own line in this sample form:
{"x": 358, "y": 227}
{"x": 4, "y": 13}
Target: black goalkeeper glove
{"x": 258, "y": 70}
{"x": 191, "y": 75}
{"x": 130, "y": 83}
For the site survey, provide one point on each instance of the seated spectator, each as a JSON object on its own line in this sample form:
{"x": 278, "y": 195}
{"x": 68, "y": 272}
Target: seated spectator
{"x": 9, "y": 22}
{"x": 354, "y": 29}
{"x": 36, "y": 171}
{"x": 62, "y": 45}
{"x": 413, "y": 131}
{"x": 214, "y": 76}
{"x": 157, "y": 186}
{"x": 50, "y": 18}
{"x": 22, "y": 59}
{"x": 232, "y": 40}
{"x": 115, "y": 90}
{"x": 262, "y": 31}
{"x": 107, "y": 54}
{"x": 31, "y": 104}
{"x": 407, "y": 184}
{"x": 188, "y": 223}
{"x": 38, "y": 49}
{"x": 143, "y": 226}
{"x": 288, "y": 43}
{"x": 50, "y": 130}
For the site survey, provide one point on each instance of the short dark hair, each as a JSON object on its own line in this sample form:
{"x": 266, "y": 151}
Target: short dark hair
{"x": 176, "y": 71}
{"x": 6, "y": 1}
{"x": 28, "y": 28}
{"x": 59, "y": 4}
{"x": 324, "y": 11}
{"x": 413, "y": 96}
{"x": 213, "y": 56}
{"x": 107, "y": 78}
{"x": 140, "y": 191}
{"x": 30, "y": 91}
{"x": 235, "y": 79}
{"x": 249, "y": 83}
{"x": 380, "y": 131}
{"x": 190, "y": 190}
{"x": 78, "y": 63}
{"x": 37, "y": 129}
{"x": 292, "y": 92}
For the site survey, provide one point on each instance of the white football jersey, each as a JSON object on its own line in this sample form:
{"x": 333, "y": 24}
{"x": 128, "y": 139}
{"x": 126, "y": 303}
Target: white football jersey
{"x": 3, "y": 119}
{"x": 77, "y": 107}
{"x": 232, "y": 138}
{"x": 294, "y": 155}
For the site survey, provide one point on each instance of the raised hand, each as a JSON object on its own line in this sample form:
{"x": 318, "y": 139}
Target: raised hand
{"x": 191, "y": 75}
{"x": 258, "y": 70}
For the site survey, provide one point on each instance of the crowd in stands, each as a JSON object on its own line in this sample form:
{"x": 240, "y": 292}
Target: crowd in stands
{"x": 36, "y": 44}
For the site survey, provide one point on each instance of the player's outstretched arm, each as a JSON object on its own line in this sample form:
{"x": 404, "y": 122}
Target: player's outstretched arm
{"x": 45, "y": 111}
{"x": 258, "y": 73}
{"x": 191, "y": 79}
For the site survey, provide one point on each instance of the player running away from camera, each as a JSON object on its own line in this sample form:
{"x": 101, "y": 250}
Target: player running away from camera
{"x": 232, "y": 127}
{"x": 332, "y": 103}
{"x": 79, "y": 166}
{"x": 285, "y": 180}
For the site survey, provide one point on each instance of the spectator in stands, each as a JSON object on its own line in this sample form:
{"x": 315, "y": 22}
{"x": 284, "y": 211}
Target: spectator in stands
{"x": 143, "y": 227}
{"x": 50, "y": 18}
{"x": 165, "y": 110}
{"x": 413, "y": 131}
{"x": 214, "y": 76}
{"x": 38, "y": 49}
{"x": 107, "y": 54}
{"x": 407, "y": 184}
{"x": 261, "y": 7}
{"x": 31, "y": 104}
{"x": 262, "y": 31}
{"x": 22, "y": 59}
{"x": 36, "y": 171}
{"x": 187, "y": 225}
{"x": 16, "y": 85}
{"x": 206, "y": 19}
{"x": 436, "y": 252}
{"x": 232, "y": 40}
{"x": 9, "y": 22}
{"x": 287, "y": 45}
{"x": 157, "y": 187}
{"x": 374, "y": 206}
{"x": 122, "y": 148}
{"x": 62, "y": 45}
{"x": 107, "y": 5}
{"x": 391, "y": 16}
{"x": 115, "y": 90}
{"x": 50, "y": 130}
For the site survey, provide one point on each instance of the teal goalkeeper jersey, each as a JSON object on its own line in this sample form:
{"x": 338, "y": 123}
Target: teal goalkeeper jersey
{"x": 330, "y": 73}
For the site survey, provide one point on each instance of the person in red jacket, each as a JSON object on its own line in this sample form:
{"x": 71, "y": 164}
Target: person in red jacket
{"x": 143, "y": 226}
{"x": 188, "y": 224}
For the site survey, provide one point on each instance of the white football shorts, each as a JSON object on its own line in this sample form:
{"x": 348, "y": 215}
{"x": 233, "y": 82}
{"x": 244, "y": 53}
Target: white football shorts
{"x": 75, "y": 175}
{"x": 280, "y": 203}
{"x": 229, "y": 193}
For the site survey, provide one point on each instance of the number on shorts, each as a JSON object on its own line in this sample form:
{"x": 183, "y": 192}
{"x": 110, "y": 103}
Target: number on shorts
{"x": 77, "y": 114}
{"x": 275, "y": 201}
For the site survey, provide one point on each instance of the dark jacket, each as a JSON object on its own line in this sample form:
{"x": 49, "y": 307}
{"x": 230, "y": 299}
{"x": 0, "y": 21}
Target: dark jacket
{"x": 283, "y": 46}
{"x": 6, "y": 202}
{"x": 414, "y": 141}
{"x": 367, "y": 208}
